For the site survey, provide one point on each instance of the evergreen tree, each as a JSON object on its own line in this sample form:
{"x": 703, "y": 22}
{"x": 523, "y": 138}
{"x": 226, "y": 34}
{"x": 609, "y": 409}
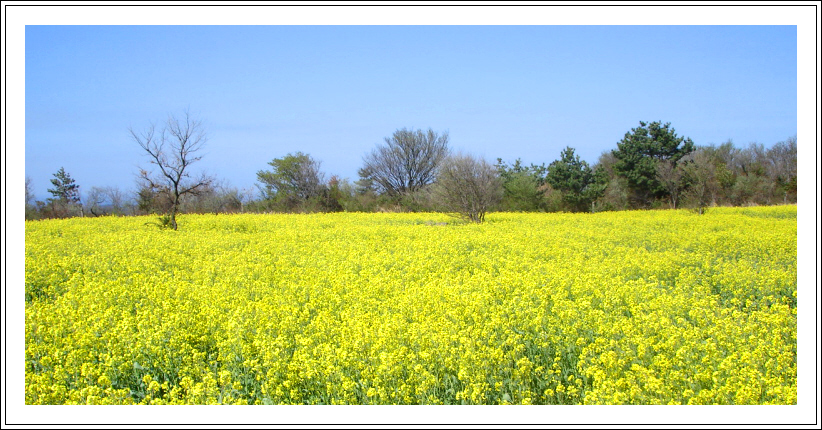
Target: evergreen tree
{"x": 65, "y": 191}
{"x": 66, "y": 200}
{"x": 638, "y": 154}
{"x": 576, "y": 180}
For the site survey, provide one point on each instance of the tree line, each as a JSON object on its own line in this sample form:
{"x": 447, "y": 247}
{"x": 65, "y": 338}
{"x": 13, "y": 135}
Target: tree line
{"x": 415, "y": 170}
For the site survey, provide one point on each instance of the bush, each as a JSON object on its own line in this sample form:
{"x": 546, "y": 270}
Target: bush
{"x": 468, "y": 186}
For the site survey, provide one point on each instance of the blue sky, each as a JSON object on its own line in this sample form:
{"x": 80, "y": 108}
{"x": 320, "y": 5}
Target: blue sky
{"x": 335, "y": 92}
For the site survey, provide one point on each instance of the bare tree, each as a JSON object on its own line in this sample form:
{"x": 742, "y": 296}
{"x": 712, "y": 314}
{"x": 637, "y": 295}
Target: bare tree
{"x": 217, "y": 197}
{"x": 469, "y": 186}
{"x": 407, "y": 162}
{"x": 699, "y": 168}
{"x": 95, "y": 201}
{"x": 31, "y": 209}
{"x": 781, "y": 167}
{"x": 670, "y": 175}
{"x": 116, "y": 199}
{"x": 173, "y": 151}
{"x": 781, "y": 159}
{"x": 235, "y": 198}
{"x": 104, "y": 201}
{"x": 29, "y": 192}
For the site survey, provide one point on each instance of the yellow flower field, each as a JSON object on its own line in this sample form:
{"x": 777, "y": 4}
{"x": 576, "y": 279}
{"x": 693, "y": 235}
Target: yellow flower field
{"x": 641, "y": 307}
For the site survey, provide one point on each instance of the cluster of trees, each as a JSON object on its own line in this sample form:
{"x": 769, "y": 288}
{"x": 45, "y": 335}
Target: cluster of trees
{"x": 218, "y": 197}
{"x": 415, "y": 170}
{"x": 652, "y": 167}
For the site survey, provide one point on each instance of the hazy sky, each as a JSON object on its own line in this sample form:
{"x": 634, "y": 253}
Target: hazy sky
{"x": 335, "y": 92}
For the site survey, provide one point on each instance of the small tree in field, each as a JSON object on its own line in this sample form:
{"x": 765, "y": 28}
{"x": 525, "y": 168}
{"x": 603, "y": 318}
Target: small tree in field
{"x": 576, "y": 180}
{"x": 31, "y": 209}
{"x": 294, "y": 180}
{"x": 66, "y": 194}
{"x": 406, "y": 163}
{"x": 522, "y": 186}
{"x": 173, "y": 151}
{"x": 469, "y": 186}
{"x": 670, "y": 175}
{"x": 700, "y": 171}
{"x": 95, "y": 201}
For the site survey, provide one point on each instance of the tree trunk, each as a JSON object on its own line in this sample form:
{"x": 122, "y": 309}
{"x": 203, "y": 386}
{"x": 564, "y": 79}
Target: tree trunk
{"x": 174, "y": 212}
{"x": 174, "y": 218}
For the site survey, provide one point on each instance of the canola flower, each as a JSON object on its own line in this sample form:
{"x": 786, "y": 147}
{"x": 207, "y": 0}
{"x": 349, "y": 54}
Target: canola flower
{"x": 641, "y": 307}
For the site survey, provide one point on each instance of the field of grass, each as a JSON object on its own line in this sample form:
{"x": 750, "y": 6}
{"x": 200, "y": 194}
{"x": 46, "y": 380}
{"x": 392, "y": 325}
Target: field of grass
{"x": 640, "y": 307}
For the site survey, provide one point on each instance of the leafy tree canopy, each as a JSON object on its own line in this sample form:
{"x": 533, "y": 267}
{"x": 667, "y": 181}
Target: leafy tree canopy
{"x": 294, "y": 177}
{"x": 575, "y": 179}
{"x": 639, "y": 152}
{"x": 521, "y": 185}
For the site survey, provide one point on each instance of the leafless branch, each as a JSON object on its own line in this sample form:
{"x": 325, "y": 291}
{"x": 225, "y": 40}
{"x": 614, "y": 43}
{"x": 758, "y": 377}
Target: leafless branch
{"x": 173, "y": 151}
